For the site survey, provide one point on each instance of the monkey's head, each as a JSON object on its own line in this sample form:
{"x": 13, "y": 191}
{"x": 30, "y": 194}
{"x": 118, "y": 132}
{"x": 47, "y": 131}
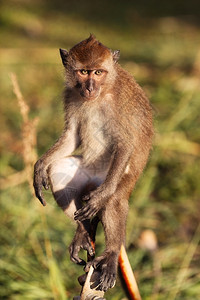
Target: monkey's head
{"x": 89, "y": 66}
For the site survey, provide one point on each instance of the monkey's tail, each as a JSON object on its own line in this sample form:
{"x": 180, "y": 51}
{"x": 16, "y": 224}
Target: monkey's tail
{"x": 128, "y": 276}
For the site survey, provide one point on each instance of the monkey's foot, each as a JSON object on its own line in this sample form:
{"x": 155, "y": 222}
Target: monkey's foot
{"x": 80, "y": 241}
{"x": 106, "y": 264}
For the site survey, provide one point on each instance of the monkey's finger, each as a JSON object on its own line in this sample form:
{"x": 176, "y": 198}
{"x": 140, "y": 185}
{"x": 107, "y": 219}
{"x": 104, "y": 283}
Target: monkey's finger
{"x": 86, "y": 198}
{"x": 82, "y": 215}
{"x": 46, "y": 186}
{"x": 78, "y": 213}
{"x": 38, "y": 191}
{"x": 87, "y": 213}
{"x": 38, "y": 194}
{"x": 80, "y": 218}
{"x": 83, "y": 211}
{"x": 107, "y": 282}
{"x": 97, "y": 263}
{"x": 73, "y": 251}
{"x": 45, "y": 183}
{"x": 83, "y": 218}
{"x": 90, "y": 250}
{"x": 76, "y": 259}
{"x": 87, "y": 267}
{"x": 42, "y": 201}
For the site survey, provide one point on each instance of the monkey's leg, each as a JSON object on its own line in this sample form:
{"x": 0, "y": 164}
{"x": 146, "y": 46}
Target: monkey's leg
{"x": 68, "y": 180}
{"x": 113, "y": 218}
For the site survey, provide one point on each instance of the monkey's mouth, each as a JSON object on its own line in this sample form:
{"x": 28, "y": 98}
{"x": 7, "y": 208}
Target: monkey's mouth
{"x": 87, "y": 95}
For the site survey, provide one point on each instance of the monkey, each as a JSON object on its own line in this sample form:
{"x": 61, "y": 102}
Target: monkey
{"x": 105, "y": 144}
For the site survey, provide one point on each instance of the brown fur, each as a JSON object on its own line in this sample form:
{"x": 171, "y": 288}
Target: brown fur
{"x": 109, "y": 118}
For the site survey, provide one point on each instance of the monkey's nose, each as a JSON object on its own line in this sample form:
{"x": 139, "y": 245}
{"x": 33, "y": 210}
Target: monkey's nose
{"x": 90, "y": 88}
{"x": 90, "y": 85}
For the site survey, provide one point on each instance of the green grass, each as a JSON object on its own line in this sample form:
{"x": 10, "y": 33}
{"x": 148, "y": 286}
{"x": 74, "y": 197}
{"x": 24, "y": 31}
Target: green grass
{"x": 160, "y": 47}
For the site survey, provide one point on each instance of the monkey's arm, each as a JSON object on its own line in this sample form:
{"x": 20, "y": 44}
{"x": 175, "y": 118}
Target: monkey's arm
{"x": 65, "y": 145}
{"x": 98, "y": 198}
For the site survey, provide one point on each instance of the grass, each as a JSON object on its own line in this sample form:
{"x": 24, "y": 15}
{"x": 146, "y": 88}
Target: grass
{"x": 160, "y": 47}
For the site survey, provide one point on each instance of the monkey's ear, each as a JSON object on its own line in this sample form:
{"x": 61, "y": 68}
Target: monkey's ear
{"x": 64, "y": 54}
{"x": 116, "y": 55}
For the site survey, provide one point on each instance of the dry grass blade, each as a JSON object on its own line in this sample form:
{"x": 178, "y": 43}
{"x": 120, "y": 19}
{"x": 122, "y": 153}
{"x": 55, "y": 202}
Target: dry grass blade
{"x": 28, "y": 132}
{"x": 24, "y": 109}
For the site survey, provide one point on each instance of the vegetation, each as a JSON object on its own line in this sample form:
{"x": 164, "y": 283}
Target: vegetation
{"x": 160, "y": 47}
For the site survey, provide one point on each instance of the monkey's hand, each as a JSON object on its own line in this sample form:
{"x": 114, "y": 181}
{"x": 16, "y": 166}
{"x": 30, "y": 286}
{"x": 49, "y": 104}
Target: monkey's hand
{"x": 95, "y": 201}
{"x": 81, "y": 240}
{"x": 40, "y": 180}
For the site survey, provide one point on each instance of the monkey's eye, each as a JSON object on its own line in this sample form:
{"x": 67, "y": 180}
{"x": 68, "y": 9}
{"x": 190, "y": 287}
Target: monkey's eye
{"x": 84, "y": 72}
{"x": 98, "y": 72}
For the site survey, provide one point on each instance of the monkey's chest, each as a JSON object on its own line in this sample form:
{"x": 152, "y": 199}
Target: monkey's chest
{"x": 95, "y": 140}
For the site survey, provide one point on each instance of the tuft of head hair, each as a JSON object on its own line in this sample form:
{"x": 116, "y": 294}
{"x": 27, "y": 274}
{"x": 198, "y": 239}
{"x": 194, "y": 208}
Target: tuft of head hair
{"x": 89, "y": 50}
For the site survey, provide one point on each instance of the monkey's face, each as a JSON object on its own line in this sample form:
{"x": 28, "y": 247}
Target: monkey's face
{"x": 90, "y": 68}
{"x": 90, "y": 82}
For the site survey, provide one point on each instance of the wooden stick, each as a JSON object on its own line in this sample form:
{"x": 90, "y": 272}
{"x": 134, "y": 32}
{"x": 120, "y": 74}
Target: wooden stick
{"x": 128, "y": 275}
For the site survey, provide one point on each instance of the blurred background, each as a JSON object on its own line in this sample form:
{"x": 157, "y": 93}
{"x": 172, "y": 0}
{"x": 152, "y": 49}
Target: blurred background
{"x": 160, "y": 47}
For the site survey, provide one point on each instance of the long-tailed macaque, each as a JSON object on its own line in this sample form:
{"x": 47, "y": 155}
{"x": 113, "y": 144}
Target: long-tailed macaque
{"x": 108, "y": 121}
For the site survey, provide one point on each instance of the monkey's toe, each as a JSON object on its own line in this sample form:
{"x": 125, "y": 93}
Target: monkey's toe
{"x": 74, "y": 255}
{"x": 107, "y": 281}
